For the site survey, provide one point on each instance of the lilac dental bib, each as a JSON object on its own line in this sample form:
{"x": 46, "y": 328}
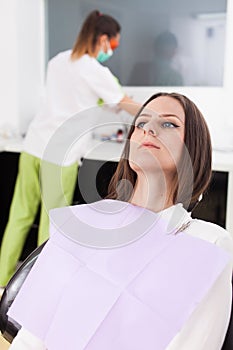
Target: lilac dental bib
{"x": 94, "y": 289}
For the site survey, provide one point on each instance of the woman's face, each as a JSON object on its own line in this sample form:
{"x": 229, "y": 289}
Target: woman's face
{"x": 158, "y": 138}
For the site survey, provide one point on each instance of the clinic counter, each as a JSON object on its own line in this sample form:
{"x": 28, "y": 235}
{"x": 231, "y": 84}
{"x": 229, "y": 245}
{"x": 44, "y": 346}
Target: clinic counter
{"x": 111, "y": 151}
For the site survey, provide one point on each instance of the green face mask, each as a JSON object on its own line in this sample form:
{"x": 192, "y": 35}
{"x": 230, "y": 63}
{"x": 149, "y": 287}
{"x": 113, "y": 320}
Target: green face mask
{"x": 104, "y": 56}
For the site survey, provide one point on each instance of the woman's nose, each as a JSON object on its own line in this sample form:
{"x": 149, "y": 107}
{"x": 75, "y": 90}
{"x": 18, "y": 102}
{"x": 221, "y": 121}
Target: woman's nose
{"x": 150, "y": 129}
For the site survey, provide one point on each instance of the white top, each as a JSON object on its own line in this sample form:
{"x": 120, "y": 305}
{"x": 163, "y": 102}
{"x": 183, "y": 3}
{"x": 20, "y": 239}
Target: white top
{"x": 206, "y": 327}
{"x": 71, "y": 87}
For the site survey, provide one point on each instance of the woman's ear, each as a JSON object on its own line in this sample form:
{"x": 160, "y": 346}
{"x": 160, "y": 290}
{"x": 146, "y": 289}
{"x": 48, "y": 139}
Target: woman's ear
{"x": 102, "y": 41}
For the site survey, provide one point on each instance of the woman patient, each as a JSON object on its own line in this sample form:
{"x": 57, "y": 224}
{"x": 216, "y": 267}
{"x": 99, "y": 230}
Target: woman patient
{"x": 135, "y": 271}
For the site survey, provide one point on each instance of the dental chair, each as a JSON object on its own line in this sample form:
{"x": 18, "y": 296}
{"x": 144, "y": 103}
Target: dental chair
{"x": 8, "y": 327}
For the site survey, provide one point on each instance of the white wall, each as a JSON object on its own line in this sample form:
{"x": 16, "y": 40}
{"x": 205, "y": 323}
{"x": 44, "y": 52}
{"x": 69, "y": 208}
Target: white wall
{"x": 8, "y": 63}
{"x": 21, "y": 61}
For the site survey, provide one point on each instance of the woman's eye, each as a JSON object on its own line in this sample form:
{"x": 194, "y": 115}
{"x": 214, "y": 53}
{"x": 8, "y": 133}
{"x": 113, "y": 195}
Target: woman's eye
{"x": 169, "y": 125}
{"x": 140, "y": 125}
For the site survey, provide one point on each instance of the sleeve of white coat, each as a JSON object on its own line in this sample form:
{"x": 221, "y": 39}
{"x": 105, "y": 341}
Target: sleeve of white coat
{"x": 26, "y": 341}
{"x": 103, "y": 83}
{"x": 207, "y": 326}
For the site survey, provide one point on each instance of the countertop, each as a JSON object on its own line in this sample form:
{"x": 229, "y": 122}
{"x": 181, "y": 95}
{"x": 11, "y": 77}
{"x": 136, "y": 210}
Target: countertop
{"x": 111, "y": 151}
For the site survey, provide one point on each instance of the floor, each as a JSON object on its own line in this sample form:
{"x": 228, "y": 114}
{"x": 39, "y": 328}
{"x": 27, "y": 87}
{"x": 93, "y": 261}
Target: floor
{"x": 4, "y": 345}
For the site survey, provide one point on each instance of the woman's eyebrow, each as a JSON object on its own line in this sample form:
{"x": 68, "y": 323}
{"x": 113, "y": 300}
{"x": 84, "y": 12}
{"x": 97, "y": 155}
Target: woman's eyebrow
{"x": 167, "y": 115}
{"x": 164, "y": 115}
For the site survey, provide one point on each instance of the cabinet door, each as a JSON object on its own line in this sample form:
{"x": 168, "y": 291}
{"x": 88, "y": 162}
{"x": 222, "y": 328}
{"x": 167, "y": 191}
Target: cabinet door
{"x": 8, "y": 174}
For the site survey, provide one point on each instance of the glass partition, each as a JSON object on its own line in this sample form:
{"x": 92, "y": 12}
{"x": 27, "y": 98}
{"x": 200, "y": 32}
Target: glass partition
{"x": 163, "y": 43}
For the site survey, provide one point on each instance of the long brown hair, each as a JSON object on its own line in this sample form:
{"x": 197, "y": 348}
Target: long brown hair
{"x": 194, "y": 170}
{"x": 95, "y": 24}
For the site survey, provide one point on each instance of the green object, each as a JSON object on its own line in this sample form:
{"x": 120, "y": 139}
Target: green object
{"x": 100, "y": 102}
{"x": 38, "y": 182}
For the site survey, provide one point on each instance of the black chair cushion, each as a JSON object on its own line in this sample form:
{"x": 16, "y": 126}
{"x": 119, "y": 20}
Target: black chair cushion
{"x": 228, "y": 342}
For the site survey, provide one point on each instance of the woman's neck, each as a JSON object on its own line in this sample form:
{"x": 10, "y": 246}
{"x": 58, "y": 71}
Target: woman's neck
{"x": 152, "y": 193}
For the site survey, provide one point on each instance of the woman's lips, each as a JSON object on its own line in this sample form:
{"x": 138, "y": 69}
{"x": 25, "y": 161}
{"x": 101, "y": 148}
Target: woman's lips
{"x": 149, "y": 145}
